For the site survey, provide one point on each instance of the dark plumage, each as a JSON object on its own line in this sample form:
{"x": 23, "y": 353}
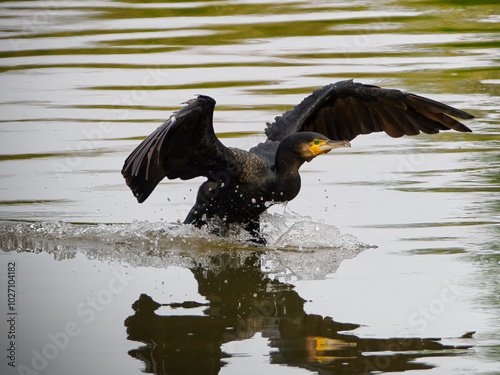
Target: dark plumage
{"x": 242, "y": 184}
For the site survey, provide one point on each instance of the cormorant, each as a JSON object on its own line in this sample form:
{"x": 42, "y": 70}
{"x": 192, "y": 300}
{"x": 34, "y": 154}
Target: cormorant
{"x": 243, "y": 184}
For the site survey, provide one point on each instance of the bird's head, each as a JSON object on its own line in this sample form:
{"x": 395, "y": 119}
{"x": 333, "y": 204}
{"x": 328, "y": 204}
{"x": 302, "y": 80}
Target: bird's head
{"x": 310, "y": 144}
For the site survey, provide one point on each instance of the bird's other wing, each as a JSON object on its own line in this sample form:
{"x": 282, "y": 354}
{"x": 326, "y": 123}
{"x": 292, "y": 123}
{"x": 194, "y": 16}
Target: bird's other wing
{"x": 343, "y": 110}
{"x": 266, "y": 150}
{"x": 184, "y": 146}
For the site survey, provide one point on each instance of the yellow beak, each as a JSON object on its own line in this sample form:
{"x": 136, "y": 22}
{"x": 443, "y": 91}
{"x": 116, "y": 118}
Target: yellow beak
{"x": 325, "y": 146}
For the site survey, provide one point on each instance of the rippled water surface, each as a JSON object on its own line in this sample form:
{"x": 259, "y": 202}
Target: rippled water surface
{"x": 387, "y": 261}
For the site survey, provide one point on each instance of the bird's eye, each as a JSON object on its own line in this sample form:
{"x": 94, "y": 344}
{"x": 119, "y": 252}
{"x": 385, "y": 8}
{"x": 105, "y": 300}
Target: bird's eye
{"x": 316, "y": 141}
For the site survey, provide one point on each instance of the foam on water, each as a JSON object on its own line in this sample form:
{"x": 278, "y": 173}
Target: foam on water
{"x": 293, "y": 231}
{"x": 297, "y": 247}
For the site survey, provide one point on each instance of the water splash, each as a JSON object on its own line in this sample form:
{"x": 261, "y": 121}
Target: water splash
{"x": 293, "y": 231}
{"x": 298, "y": 247}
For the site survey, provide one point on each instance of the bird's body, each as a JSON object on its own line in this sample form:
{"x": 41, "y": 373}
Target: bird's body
{"x": 242, "y": 184}
{"x": 241, "y": 196}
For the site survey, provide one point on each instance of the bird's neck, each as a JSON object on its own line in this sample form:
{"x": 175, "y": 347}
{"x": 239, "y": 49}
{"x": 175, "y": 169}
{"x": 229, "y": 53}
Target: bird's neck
{"x": 287, "y": 171}
{"x": 286, "y": 160}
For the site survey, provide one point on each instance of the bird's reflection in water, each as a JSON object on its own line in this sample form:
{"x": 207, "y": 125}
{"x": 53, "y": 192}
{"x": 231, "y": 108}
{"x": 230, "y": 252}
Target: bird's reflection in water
{"x": 244, "y": 301}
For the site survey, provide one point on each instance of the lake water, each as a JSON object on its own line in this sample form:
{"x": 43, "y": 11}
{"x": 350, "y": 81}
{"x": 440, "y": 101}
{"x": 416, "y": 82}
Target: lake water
{"x": 387, "y": 261}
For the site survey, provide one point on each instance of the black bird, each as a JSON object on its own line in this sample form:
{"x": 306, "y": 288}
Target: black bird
{"x": 242, "y": 184}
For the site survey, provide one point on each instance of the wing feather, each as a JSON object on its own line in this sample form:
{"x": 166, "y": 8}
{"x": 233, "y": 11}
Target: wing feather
{"x": 346, "y": 109}
{"x": 184, "y": 146}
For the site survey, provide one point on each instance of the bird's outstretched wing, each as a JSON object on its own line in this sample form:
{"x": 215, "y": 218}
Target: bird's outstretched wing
{"x": 343, "y": 110}
{"x": 184, "y": 146}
